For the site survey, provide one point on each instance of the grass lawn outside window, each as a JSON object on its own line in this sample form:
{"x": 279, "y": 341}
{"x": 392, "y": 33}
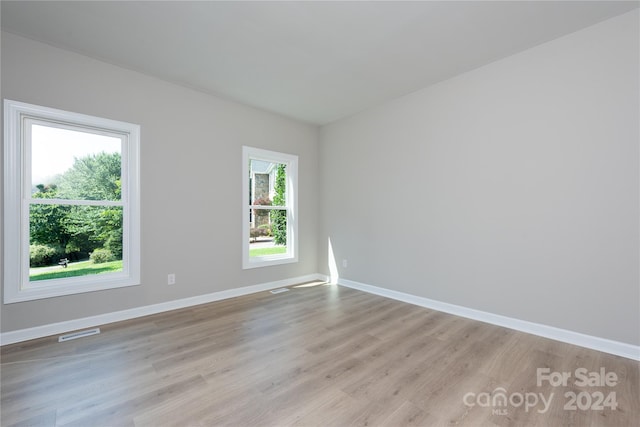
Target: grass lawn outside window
{"x": 74, "y": 269}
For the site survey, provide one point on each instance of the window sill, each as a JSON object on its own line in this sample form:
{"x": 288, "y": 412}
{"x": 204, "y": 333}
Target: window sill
{"x": 266, "y": 261}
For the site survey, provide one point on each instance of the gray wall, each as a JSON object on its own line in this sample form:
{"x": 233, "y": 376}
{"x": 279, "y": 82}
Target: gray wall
{"x": 191, "y": 179}
{"x": 511, "y": 189}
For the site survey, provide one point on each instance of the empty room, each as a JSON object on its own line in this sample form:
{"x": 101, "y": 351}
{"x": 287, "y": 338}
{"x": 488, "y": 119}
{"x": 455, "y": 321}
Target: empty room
{"x": 320, "y": 213}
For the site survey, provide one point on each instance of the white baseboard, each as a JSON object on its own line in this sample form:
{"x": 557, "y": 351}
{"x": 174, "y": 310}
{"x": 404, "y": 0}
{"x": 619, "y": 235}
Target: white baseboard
{"x": 595, "y": 343}
{"x": 102, "y": 319}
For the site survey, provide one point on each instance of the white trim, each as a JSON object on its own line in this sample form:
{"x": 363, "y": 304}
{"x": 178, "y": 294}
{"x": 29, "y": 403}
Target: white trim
{"x": 291, "y": 198}
{"x": 17, "y": 199}
{"x": 265, "y": 207}
{"x": 12, "y": 199}
{"x": 20, "y": 335}
{"x": 69, "y": 202}
{"x": 570, "y": 337}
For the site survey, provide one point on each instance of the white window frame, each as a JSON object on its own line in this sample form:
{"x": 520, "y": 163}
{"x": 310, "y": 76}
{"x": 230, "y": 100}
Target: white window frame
{"x": 17, "y": 199}
{"x": 291, "y": 204}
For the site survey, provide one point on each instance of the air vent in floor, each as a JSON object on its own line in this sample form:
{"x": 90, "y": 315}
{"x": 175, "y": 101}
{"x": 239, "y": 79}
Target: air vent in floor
{"x": 79, "y": 334}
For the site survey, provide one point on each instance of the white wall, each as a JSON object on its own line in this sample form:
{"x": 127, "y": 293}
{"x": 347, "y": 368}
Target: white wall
{"x": 190, "y": 177}
{"x": 511, "y": 189}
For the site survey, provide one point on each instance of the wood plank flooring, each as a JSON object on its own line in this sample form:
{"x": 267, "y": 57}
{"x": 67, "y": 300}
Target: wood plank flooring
{"x": 317, "y": 355}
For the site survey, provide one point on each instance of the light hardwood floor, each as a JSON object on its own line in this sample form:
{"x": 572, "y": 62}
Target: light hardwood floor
{"x": 317, "y": 355}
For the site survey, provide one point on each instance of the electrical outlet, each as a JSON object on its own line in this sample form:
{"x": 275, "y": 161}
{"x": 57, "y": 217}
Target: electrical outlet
{"x": 345, "y": 264}
{"x": 171, "y": 279}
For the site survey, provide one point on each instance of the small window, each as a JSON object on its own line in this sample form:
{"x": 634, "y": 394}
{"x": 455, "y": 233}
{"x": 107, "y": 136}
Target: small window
{"x": 71, "y": 203}
{"x": 270, "y": 211}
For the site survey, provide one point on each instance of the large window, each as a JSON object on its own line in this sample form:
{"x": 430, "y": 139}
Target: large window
{"x": 269, "y": 208}
{"x": 71, "y": 209}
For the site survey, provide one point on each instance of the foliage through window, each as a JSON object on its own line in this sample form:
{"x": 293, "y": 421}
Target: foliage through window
{"x": 270, "y": 223}
{"x": 71, "y": 192}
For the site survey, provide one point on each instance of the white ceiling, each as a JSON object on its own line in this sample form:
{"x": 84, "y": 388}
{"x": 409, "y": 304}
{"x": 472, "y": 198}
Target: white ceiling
{"x": 312, "y": 61}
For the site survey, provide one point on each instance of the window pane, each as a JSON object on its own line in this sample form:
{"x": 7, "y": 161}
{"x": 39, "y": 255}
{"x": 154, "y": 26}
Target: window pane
{"x": 268, "y": 183}
{"x": 267, "y": 232}
{"x": 71, "y": 211}
{"x": 72, "y": 164}
{"x": 269, "y": 220}
{"x": 88, "y": 237}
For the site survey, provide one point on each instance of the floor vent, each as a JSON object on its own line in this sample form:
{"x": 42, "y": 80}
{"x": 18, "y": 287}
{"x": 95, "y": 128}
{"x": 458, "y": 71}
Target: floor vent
{"x": 278, "y": 291}
{"x": 79, "y": 334}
